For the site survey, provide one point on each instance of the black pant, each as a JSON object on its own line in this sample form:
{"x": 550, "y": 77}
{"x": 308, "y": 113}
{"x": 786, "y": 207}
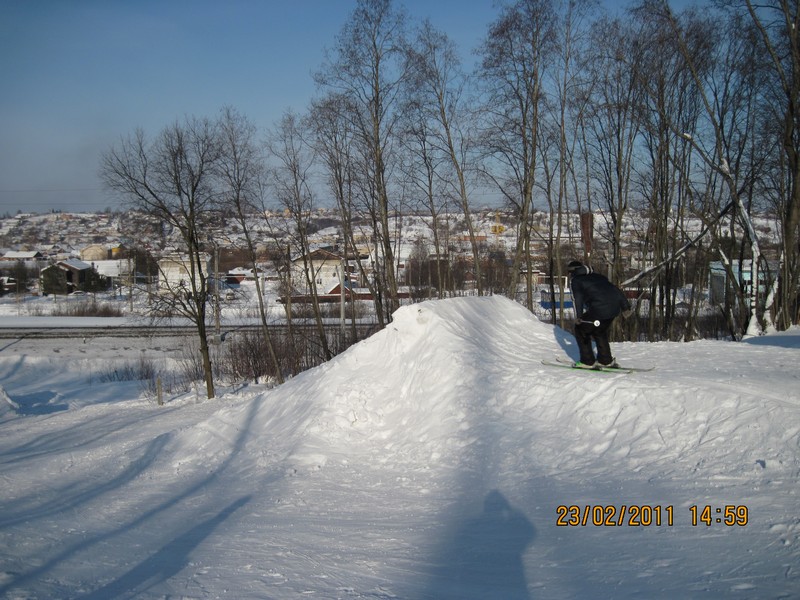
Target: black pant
{"x": 585, "y": 332}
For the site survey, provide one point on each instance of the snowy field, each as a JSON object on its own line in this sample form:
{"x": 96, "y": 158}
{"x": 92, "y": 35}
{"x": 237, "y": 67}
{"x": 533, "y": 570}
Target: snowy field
{"x": 434, "y": 460}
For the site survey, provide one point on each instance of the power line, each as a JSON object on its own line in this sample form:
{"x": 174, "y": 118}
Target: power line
{"x": 50, "y": 191}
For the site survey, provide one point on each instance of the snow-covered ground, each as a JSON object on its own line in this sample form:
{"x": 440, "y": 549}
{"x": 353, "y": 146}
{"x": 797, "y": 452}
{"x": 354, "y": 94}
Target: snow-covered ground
{"x": 428, "y": 461}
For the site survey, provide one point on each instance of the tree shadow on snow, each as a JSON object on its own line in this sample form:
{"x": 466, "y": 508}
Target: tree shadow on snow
{"x": 39, "y": 403}
{"x": 484, "y": 557}
{"x": 164, "y": 563}
{"x": 73, "y": 497}
{"x": 785, "y": 339}
{"x": 167, "y": 562}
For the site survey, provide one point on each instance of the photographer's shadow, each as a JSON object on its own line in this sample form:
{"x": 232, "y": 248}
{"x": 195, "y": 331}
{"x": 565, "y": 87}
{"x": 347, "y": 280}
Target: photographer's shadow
{"x": 484, "y": 558}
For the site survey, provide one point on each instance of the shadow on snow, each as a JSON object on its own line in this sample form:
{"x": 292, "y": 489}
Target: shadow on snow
{"x": 168, "y": 561}
{"x": 183, "y": 543}
{"x": 484, "y": 557}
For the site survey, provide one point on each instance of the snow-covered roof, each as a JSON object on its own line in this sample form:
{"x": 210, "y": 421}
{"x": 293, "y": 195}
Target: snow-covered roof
{"x": 22, "y": 255}
{"x": 112, "y": 268}
{"x": 74, "y": 263}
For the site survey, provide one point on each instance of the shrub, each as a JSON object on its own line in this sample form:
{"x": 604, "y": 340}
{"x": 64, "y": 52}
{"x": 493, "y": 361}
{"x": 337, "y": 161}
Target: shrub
{"x": 142, "y": 370}
{"x": 86, "y": 309}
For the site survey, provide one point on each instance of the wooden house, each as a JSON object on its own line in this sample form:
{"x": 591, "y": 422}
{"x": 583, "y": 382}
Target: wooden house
{"x": 66, "y": 277}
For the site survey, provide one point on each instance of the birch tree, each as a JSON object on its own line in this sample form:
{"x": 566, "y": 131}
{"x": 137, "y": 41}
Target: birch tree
{"x": 421, "y": 165}
{"x": 438, "y": 87}
{"x": 778, "y": 25}
{"x": 334, "y": 142}
{"x": 366, "y": 66}
{"x": 724, "y": 152}
{"x": 290, "y": 179}
{"x": 560, "y": 134}
{"x": 516, "y": 52}
{"x": 241, "y": 171}
{"x": 669, "y": 104}
{"x": 613, "y": 126}
{"x": 172, "y": 179}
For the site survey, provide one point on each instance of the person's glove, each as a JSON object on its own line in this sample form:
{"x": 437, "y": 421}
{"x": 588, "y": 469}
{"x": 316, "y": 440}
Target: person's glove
{"x": 626, "y": 313}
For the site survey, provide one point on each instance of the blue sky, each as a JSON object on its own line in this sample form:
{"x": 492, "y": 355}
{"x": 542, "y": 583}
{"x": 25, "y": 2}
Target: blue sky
{"x": 79, "y": 74}
{"x": 76, "y": 75}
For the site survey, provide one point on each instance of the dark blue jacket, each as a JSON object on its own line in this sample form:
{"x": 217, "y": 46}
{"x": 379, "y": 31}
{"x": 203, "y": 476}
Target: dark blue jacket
{"x": 595, "y": 297}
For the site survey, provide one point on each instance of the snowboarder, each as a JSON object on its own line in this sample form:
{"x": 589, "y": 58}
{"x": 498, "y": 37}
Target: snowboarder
{"x": 597, "y": 303}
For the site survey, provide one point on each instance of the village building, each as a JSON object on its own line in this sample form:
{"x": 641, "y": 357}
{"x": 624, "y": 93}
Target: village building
{"x": 239, "y": 274}
{"x": 328, "y": 270}
{"x": 743, "y": 271}
{"x": 119, "y": 272}
{"x": 175, "y": 271}
{"x": 98, "y": 252}
{"x": 56, "y": 252}
{"x": 25, "y": 256}
{"x": 70, "y": 276}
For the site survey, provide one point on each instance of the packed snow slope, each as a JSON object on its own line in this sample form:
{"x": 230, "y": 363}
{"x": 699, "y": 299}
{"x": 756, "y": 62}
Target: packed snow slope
{"x": 437, "y": 459}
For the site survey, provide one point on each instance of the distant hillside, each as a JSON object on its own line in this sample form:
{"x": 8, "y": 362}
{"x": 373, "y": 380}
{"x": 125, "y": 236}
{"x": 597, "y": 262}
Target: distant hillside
{"x": 68, "y": 233}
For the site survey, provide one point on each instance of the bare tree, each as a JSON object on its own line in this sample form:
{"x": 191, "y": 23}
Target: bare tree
{"x": 437, "y": 88}
{"x": 778, "y": 23}
{"x": 334, "y": 142}
{"x": 669, "y": 103}
{"x": 421, "y": 167}
{"x": 366, "y": 67}
{"x": 613, "y": 125}
{"x": 559, "y": 136}
{"x": 241, "y": 171}
{"x": 172, "y": 179}
{"x": 290, "y": 179}
{"x": 723, "y": 153}
{"x": 514, "y": 57}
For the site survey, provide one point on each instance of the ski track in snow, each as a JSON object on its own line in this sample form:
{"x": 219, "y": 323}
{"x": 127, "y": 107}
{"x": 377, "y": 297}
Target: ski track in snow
{"x": 428, "y": 461}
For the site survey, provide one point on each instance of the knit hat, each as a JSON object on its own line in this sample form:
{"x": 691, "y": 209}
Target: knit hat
{"x": 574, "y": 266}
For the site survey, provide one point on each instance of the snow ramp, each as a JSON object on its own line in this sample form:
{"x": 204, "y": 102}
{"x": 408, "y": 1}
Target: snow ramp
{"x": 447, "y": 416}
{"x": 450, "y": 381}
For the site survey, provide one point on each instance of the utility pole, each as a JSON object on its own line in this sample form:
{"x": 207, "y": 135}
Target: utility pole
{"x": 130, "y": 283}
{"x": 340, "y": 271}
{"x": 217, "y": 308}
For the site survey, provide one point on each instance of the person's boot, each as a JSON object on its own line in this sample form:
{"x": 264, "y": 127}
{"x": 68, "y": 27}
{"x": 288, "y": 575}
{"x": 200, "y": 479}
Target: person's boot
{"x": 580, "y": 365}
